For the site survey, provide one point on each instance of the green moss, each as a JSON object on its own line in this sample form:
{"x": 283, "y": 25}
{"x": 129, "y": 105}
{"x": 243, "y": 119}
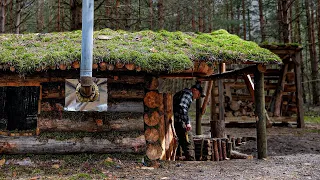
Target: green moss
{"x": 153, "y": 51}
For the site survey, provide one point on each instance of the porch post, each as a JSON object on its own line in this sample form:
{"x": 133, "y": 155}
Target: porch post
{"x": 260, "y": 114}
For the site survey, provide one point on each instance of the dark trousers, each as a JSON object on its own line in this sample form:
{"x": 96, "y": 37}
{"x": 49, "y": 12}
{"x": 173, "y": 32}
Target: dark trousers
{"x": 187, "y": 145}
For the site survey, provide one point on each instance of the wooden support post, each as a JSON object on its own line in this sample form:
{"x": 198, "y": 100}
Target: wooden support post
{"x": 213, "y": 113}
{"x": 219, "y": 125}
{"x": 198, "y": 117}
{"x": 260, "y": 113}
{"x": 299, "y": 100}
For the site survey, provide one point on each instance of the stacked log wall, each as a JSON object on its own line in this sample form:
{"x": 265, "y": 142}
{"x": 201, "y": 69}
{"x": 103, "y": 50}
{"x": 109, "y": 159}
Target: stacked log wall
{"x": 119, "y": 130}
{"x": 158, "y": 119}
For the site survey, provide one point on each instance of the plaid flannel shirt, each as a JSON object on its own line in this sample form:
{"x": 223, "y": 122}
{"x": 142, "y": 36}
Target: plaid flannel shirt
{"x": 181, "y": 105}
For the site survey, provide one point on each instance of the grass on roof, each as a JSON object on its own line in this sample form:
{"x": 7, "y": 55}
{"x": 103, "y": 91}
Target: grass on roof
{"x": 152, "y": 51}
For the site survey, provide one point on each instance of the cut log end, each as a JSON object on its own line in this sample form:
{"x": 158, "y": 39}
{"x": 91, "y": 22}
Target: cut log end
{"x": 151, "y": 99}
{"x": 151, "y": 135}
{"x": 154, "y": 151}
{"x": 153, "y": 120}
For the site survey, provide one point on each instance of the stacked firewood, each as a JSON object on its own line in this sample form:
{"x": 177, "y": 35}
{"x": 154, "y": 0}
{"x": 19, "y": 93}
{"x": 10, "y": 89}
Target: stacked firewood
{"x": 239, "y": 108}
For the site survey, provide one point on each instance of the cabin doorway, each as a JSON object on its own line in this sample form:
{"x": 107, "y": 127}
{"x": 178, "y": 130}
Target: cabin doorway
{"x": 19, "y": 107}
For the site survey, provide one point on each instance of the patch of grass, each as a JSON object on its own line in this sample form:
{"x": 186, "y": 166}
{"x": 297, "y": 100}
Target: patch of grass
{"x": 312, "y": 119}
{"x": 82, "y": 176}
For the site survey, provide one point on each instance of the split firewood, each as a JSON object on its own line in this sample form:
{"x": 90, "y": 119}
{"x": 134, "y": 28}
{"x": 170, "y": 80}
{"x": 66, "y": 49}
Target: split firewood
{"x": 235, "y": 105}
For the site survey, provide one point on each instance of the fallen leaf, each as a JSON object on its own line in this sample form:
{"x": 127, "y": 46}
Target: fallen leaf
{"x": 109, "y": 160}
{"x": 56, "y": 166}
{"x": 165, "y": 178}
{"x": 148, "y": 168}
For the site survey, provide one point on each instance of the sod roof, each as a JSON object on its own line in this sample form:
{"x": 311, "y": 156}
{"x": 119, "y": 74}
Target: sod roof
{"x": 152, "y": 51}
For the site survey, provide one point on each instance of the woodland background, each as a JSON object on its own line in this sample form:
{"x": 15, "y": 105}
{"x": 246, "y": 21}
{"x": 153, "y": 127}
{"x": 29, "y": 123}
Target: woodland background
{"x": 262, "y": 21}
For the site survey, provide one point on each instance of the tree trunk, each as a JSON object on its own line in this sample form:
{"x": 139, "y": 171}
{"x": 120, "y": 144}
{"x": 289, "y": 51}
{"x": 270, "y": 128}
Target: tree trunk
{"x": 193, "y": 21}
{"x": 161, "y": 14}
{"x": 211, "y": 14}
{"x": 262, "y": 23}
{"x": 314, "y": 62}
{"x": 151, "y": 14}
{"x": 312, "y": 49}
{"x": 249, "y": 24}
{"x": 244, "y": 26}
{"x": 297, "y": 30}
{"x": 58, "y": 16}
{"x": 18, "y": 16}
{"x": 232, "y": 17}
{"x": 40, "y": 18}
{"x": 285, "y": 21}
{"x": 238, "y": 18}
{"x": 178, "y": 18}
{"x": 200, "y": 16}
{"x": 2, "y": 16}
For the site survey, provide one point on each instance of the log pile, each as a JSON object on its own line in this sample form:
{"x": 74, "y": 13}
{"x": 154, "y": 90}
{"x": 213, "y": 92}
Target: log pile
{"x": 203, "y": 149}
{"x": 239, "y": 108}
{"x": 218, "y": 149}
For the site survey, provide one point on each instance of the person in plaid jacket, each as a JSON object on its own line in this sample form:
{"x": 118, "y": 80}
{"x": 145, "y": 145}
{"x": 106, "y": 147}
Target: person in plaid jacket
{"x": 181, "y": 104}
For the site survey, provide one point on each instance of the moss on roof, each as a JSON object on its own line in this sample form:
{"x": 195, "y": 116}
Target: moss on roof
{"x": 152, "y": 51}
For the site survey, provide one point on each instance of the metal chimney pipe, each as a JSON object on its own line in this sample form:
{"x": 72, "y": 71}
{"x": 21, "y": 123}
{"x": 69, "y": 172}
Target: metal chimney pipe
{"x": 87, "y": 48}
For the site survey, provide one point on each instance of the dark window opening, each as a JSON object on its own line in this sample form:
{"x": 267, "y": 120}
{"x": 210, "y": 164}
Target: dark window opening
{"x": 19, "y": 108}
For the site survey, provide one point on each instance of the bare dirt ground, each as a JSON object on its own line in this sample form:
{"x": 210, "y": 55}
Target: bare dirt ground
{"x": 292, "y": 154}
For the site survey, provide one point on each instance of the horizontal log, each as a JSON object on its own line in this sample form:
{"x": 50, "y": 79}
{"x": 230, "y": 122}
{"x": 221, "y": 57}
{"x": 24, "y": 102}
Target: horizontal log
{"x": 48, "y": 77}
{"x": 34, "y": 145}
{"x": 125, "y": 106}
{"x": 239, "y": 85}
{"x": 125, "y": 79}
{"x": 289, "y": 88}
{"x": 90, "y": 125}
{"x": 129, "y": 106}
{"x": 126, "y": 94}
{"x": 18, "y": 84}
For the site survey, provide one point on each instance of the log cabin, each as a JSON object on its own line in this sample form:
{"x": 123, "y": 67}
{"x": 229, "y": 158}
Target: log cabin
{"x": 143, "y": 70}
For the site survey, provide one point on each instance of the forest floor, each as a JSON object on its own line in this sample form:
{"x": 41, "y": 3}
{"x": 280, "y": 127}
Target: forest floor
{"x": 292, "y": 154}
